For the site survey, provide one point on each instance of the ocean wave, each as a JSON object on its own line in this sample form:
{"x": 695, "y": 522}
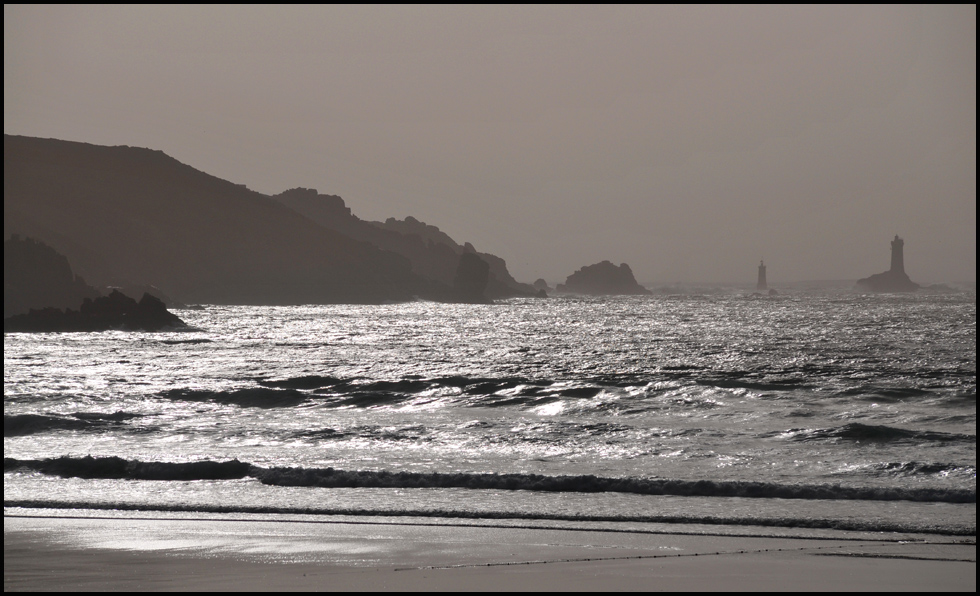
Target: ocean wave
{"x": 855, "y": 431}
{"x": 117, "y": 416}
{"x": 755, "y": 385}
{"x": 407, "y": 433}
{"x": 915, "y": 468}
{"x": 115, "y": 467}
{"x": 29, "y": 424}
{"x": 525, "y": 392}
{"x": 884, "y": 394}
{"x": 332, "y": 392}
{"x": 366, "y": 399}
{"x": 322, "y": 433}
{"x": 253, "y": 397}
{"x": 767, "y": 522}
{"x": 505, "y": 401}
{"x": 123, "y": 469}
{"x": 304, "y": 382}
{"x": 477, "y": 386}
{"x": 19, "y": 425}
{"x": 965, "y": 397}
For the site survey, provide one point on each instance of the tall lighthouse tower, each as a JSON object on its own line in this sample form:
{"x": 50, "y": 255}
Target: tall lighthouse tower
{"x": 898, "y": 255}
{"x": 761, "y": 285}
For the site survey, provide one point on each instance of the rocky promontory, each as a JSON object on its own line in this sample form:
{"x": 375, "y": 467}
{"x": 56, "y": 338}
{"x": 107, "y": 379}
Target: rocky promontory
{"x": 603, "y": 279}
{"x": 432, "y": 253}
{"x": 131, "y": 217}
{"x": 113, "y": 312}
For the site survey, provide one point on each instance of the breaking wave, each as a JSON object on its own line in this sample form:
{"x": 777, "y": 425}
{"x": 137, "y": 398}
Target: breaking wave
{"x": 28, "y": 424}
{"x": 855, "y": 431}
{"x": 254, "y": 397}
{"x": 119, "y": 468}
{"x": 770, "y": 522}
{"x": 916, "y": 468}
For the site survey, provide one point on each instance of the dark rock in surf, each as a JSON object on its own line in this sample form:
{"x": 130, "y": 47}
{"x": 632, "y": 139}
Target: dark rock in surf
{"x": 113, "y": 312}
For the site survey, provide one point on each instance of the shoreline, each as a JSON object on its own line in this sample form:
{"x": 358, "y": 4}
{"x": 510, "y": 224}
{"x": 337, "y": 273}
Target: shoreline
{"x": 140, "y": 553}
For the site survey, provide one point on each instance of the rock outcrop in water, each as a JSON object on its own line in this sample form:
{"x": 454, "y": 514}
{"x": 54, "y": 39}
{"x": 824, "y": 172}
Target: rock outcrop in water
{"x": 113, "y": 312}
{"x": 895, "y": 279}
{"x": 603, "y": 279}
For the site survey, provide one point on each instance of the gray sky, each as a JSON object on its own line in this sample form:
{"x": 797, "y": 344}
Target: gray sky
{"x": 686, "y": 141}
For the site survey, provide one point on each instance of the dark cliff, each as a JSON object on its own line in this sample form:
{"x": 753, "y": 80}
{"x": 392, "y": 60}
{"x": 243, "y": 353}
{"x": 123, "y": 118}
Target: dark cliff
{"x": 433, "y": 254}
{"x": 471, "y": 278}
{"x": 37, "y": 276}
{"x": 127, "y": 216}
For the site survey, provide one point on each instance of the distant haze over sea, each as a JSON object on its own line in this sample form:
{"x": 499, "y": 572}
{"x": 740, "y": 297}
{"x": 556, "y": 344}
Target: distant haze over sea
{"x": 686, "y": 141}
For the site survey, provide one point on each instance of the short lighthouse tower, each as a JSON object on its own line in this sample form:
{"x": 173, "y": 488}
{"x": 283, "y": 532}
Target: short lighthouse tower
{"x": 761, "y": 285}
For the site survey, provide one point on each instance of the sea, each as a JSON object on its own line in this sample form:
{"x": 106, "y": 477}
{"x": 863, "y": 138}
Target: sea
{"x": 814, "y": 413}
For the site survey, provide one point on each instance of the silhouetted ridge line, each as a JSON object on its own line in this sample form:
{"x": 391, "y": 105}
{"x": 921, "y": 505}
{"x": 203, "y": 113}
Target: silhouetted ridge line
{"x": 125, "y": 216}
{"x": 433, "y": 254}
{"x": 115, "y": 467}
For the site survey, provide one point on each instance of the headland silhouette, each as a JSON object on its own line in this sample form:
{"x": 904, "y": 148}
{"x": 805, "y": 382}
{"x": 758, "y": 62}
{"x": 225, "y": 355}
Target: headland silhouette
{"x": 133, "y": 217}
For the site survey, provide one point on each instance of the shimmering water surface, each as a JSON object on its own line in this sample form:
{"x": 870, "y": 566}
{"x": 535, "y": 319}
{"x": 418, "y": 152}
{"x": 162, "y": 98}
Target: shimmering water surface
{"x": 805, "y": 411}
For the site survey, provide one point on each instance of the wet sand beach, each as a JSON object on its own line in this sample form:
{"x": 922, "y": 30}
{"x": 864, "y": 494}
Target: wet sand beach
{"x": 105, "y": 553}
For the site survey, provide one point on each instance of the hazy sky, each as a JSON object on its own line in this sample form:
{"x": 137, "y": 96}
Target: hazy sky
{"x": 686, "y": 141}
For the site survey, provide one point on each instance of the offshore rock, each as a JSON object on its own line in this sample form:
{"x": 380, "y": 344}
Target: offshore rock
{"x": 603, "y": 279}
{"x": 113, "y": 312}
{"x": 889, "y": 281}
